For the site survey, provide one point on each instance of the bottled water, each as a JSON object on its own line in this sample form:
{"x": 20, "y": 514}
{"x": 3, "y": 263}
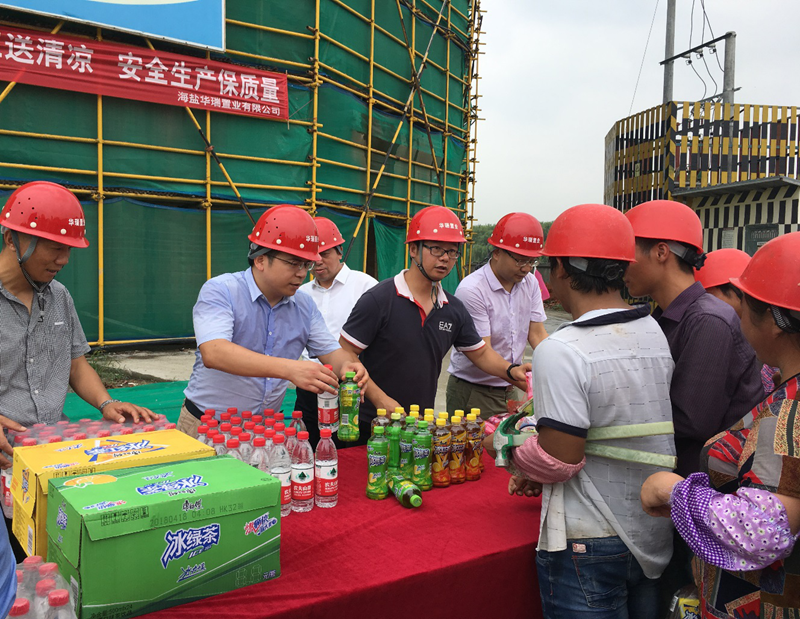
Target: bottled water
{"x": 245, "y": 446}
{"x": 326, "y": 471}
{"x": 219, "y": 444}
{"x": 260, "y": 458}
{"x": 302, "y": 475}
{"x": 328, "y": 409}
{"x": 21, "y": 609}
{"x": 297, "y": 421}
{"x": 40, "y": 600}
{"x": 202, "y": 434}
{"x": 233, "y": 448}
{"x": 291, "y": 440}
{"x": 280, "y": 467}
{"x": 59, "y": 605}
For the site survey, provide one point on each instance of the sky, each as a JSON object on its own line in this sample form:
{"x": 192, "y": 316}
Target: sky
{"x": 556, "y": 76}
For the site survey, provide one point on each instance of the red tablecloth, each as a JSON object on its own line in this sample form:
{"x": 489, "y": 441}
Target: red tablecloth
{"x": 468, "y": 551}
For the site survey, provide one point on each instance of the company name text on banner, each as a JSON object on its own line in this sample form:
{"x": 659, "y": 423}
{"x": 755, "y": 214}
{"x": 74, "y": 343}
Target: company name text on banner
{"x": 128, "y": 72}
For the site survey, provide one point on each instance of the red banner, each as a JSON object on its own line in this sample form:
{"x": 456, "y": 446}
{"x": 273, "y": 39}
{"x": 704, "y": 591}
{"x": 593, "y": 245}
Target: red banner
{"x": 127, "y": 72}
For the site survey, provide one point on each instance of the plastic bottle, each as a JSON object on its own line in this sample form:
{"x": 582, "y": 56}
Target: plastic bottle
{"x": 245, "y": 446}
{"x": 482, "y": 423}
{"x": 21, "y": 609}
{"x": 202, "y": 434}
{"x": 259, "y": 458}
{"x": 225, "y": 428}
{"x": 393, "y": 462}
{"x": 258, "y": 420}
{"x": 226, "y": 416}
{"x": 30, "y": 573}
{"x": 268, "y": 412}
{"x": 219, "y": 444}
{"x": 328, "y": 409}
{"x": 236, "y": 421}
{"x": 406, "y": 449}
{"x": 405, "y": 491}
{"x": 400, "y": 411}
{"x": 440, "y": 465}
{"x": 280, "y": 428}
{"x": 40, "y": 600}
{"x": 59, "y": 607}
{"x": 233, "y": 448}
{"x": 280, "y": 467}
{"x": 302, "y": 474}
{"x": 458, "y": 441}
{"x": 349, "y": 402}
{"x": 278, "y": 417}
{"x": 291, "y": 440}
{"x": 269, "y": 436}
{"x": 411, "y": 419}
{"x": 22, "y": 592}
{"x": 326, "y": 471}
{"x": 246, "y": 416}
{"x": 236, "y": 432}
{"x": 380, "y": 420}
{"x": 297, "y": 421}
{"x": 421, "y": 445}
{"x": 446, "y": 418}
{"x": 472, "y": 454}
{"x": 377, "y": 457}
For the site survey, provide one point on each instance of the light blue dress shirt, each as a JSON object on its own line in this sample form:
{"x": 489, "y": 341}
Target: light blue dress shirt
{"x": 231, "y": 307}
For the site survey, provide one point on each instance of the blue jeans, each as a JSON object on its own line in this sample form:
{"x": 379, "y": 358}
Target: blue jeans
{"x": 604, "y": 582}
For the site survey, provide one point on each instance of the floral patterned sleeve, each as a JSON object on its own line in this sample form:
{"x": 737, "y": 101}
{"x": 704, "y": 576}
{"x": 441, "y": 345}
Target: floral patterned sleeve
{"x": 745, "y": 531}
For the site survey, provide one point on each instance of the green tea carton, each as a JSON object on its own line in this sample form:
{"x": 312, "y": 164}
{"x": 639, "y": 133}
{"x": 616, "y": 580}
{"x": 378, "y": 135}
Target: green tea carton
{"x": 133, "y": 541}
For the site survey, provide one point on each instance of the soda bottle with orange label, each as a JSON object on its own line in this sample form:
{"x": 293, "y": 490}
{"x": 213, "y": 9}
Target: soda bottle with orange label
{"x": 472, "y": 454}
{"x": 458, "y": 441}
{"x": 440, "y": 467}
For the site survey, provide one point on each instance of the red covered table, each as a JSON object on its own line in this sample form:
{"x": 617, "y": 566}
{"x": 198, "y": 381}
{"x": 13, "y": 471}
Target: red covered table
{"x": 468, "y": 551}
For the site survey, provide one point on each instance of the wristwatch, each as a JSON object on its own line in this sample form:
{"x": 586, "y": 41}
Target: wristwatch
{"x": 106, "y": 403}
{"x": 509, "y": 368}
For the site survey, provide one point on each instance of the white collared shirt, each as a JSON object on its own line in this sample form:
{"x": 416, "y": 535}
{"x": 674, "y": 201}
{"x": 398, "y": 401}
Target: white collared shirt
{"x": 336, "y": 302}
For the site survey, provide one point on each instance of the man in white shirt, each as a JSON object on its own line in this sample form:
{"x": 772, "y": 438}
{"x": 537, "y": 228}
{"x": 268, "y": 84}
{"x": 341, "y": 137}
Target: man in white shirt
{"x": 335, "y": 290}
{"x": 598, "y": 554}
{"x": 505, "y": 301}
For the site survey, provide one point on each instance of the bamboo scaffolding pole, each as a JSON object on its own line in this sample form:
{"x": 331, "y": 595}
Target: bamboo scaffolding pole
{"x": 315, "y": 110}
{"x": 299, "y": 35}
{"x": 370, "y": 105}
{"x": 100, "y": 220}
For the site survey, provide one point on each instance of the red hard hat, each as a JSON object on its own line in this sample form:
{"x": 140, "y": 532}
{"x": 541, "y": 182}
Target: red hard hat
{"x": 720, "y": 266}
{"x": 329, "y": 235}
{"x": 519, "y": 233}
{"x": 773, "y": 275}
{"x": 46, "y": 210}
{"x": 435, "y": 223}
{"x": 288, "y": 229}
{"x": 591, "y": 231}
{"x": 667, "y": 220}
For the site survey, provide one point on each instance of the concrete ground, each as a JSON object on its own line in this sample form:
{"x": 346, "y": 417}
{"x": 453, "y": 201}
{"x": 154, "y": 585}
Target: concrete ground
{"x": 171, "y": 363}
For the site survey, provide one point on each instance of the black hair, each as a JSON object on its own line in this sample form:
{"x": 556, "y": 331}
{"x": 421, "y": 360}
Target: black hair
{"x": 785, "y": 321}
{"x": 729, "y": 290}
{"x": 268, "y": 254}
{"x": 600, "y": 277}
{"x": 646, "y": 245}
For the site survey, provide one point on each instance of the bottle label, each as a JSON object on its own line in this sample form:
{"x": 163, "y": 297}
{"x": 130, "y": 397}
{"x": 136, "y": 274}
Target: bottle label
{"x": 327, "y": 479}
{"x": 302, "y": 483}
{"x": 440, "y": 472}
{"x": 286, "y": 486}
{"x": 328, "y": 411}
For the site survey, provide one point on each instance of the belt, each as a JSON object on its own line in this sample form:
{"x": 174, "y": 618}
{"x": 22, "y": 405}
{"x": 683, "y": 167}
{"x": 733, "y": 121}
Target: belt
{"x": 192, "y": 408}
{"x": 486, "y": 387}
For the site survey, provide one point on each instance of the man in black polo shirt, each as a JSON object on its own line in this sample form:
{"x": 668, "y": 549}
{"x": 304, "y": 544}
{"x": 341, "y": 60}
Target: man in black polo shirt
{"x": 403, "y": 327}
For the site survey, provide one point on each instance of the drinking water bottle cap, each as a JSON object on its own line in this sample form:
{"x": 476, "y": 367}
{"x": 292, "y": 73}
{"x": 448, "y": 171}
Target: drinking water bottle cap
{"x": 59, "y": 597}
{"x": 244, "y": 437}
{"x": 29, "y": 442}
{"x": 269, "y": 433}
{"x": 34, "y": 561}
{"x": 233, "y": 410}
{"x": 219, "y": 439}
{"x": 226, "y": 427}
{"x": 236, "y": 420}
{"x": 203, "y": 429}
{"x": 43, "y": 587}
{"x": 268, "y": 412}
{"x": 260, "y": 441}
{"x": 280, "y": 427}
{"x": 247, "y": 414}
{"x": 324, "y": 433}
{"x": 260, "y": 430}
{"x": 236, "y": 431}
{"x": 297, "y": 414}
{"x": 291, "y": 431}
{"x": 211, "y": 411}
{"x": 47, "y": 569}
{"x": 303, "y": 435}
{"x": 233, "y": 443}
{"x": 20, "y": 608}
{"x": 212, "y": 423}
{"x": 54, "y": 439}
{"x": 279, "y": 438}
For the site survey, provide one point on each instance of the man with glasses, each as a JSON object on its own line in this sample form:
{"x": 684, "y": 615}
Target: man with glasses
{"x": 251, "y": 327}
{"x": 403, "y": 327}
{"x": 505, "y": 302}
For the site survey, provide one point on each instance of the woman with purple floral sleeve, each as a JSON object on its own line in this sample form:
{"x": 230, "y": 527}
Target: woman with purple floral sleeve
{"x": 742, "y": 516}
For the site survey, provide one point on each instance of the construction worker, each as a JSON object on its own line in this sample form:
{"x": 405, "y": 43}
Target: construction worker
{"x": 404, "y": 326}
{"x": 251, "y": 327}
{"x": 741, "y": 515}
{"x": 335, "y": 289}
{"x": 505, "y": 302}
{"x": 720, "y": 266}
{"x": 599, "y": 554}
{"x": 717, "y": 378}
{"x": 42, "y": 343}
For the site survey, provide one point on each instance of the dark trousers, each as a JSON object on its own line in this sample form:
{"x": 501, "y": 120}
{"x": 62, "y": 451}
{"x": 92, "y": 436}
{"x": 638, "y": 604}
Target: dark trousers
{"x": 678, "y": 574}
{"x": 307, "y": 403}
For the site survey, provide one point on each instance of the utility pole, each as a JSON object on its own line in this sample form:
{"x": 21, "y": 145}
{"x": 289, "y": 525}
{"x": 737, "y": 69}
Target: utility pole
{"x": 669, "y": 51}
{"x": 728, "y": 79}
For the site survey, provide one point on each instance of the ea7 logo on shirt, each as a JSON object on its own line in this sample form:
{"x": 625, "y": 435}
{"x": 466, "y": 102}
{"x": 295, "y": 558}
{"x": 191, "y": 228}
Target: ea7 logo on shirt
{"x": 446, "y": 326}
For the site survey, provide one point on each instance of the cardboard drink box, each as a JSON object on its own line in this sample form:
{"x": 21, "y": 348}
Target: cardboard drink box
{"x": 138, "y": 540}
{"x": 35, "y": 466}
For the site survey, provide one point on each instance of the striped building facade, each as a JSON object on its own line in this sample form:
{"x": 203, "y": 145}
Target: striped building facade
{"x": 745, "y": 215}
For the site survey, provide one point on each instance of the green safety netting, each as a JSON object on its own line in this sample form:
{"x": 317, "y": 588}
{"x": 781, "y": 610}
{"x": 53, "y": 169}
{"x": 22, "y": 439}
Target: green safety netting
{"x": 154, "y": 260}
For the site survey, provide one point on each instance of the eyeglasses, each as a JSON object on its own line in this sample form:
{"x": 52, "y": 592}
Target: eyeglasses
{"x": 298, "y": 265}
{"x": 438, "y": 252}
{"x": 527, "y": 262}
